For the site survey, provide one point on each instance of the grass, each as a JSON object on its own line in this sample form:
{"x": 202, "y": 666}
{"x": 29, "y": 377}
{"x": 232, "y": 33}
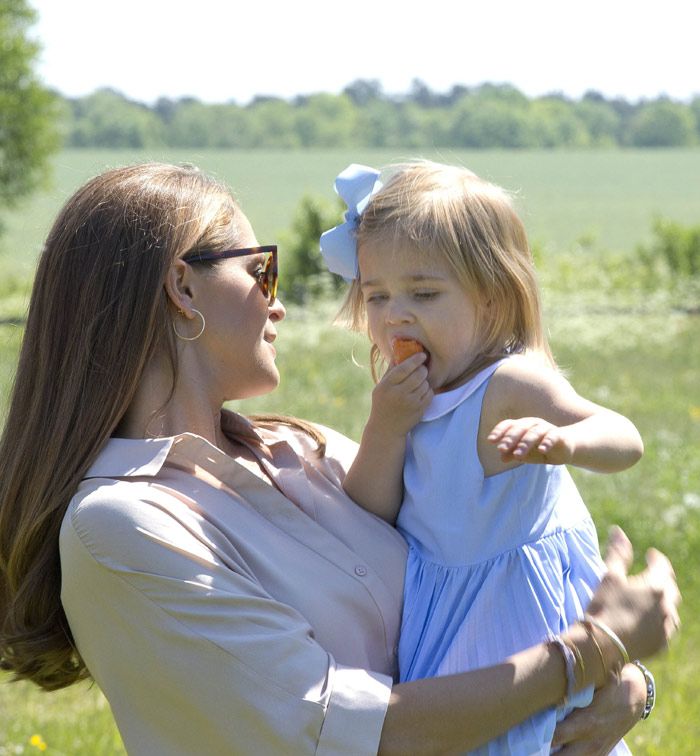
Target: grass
{"x": 632, "y": 352}
{"x": 646, "y": 366}
{"x": 607, "y": 197}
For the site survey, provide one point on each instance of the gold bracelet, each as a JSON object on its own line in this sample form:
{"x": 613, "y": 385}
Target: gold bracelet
{"x": 569, "y": 664}
{"x": 613, "y": 637}
{"x": 579, "y": 658}
{"x": 589, "y": 632}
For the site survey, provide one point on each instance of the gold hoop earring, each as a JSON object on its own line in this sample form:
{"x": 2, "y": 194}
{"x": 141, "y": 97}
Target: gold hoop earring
{"x": 201, "y": 330}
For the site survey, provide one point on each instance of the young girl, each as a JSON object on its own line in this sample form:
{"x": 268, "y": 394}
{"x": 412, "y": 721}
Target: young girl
{"x": 467, "y": 439}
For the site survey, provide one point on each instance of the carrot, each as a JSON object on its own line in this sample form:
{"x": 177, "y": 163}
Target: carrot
{"x": 405, "y": 348}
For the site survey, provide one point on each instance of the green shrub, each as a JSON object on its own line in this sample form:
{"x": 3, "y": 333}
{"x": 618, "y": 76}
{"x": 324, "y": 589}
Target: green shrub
{"x": 678, "y": 246}
{"x": 303, "y": 273}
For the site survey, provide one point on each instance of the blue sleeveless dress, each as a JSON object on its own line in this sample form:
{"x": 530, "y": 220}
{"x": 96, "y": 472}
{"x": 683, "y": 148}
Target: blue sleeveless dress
{"x": 495, "y": 564}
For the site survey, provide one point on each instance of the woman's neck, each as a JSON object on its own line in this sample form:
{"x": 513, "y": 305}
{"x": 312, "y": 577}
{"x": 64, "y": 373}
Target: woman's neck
{"x": 154, "y": 413}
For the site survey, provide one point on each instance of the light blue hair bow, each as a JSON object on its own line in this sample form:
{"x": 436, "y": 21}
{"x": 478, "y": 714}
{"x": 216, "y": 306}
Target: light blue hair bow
{"x": 355, "y": 185}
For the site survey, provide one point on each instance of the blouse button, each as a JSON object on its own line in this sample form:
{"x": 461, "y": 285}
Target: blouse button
{"x": 360, "y": 570}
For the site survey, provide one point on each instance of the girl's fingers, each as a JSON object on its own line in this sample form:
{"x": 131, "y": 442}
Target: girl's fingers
{"x": 511, "y": 435}
{"x": 500, "y": 430}
{"x": 531, "y": 439}
{"x": 522, "y": 440}
{"x": 397, "y": 373}
{"x": 549, "y": 440}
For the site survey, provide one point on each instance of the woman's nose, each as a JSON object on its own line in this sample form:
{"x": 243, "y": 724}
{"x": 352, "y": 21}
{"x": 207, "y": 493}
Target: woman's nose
{"x": 277, "y": 310}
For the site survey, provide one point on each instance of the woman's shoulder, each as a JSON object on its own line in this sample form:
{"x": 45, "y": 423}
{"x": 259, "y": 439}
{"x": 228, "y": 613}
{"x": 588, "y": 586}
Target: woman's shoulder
{"x": 120, "y": 518}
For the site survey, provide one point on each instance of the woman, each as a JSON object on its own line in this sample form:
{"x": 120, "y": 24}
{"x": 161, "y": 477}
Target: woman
{"x": 207, "y": 570}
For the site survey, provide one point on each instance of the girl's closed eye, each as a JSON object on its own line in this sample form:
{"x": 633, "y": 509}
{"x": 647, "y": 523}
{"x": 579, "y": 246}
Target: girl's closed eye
{"x": 375, "y": 297}
{"x": 426, "y": 294}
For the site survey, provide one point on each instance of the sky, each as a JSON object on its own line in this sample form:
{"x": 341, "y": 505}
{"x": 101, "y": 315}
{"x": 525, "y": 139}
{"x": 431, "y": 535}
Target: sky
{"x": 223, "y": 50}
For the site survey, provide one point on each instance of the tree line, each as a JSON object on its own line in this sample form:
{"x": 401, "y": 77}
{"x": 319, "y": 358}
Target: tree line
{"x": 362, "y": 115}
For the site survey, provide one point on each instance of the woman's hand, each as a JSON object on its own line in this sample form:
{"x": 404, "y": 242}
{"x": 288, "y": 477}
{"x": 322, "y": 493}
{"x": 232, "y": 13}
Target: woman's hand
{"x": 641, "y": 609}
{"x": 615, "y": 709}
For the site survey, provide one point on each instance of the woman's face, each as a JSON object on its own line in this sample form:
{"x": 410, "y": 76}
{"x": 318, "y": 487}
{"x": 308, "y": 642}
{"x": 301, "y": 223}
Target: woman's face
{"x": 240, "y": 327}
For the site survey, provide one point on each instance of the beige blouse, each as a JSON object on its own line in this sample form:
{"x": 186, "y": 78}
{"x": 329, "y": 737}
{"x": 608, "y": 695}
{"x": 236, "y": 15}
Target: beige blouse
{"x": 222, "y": 614}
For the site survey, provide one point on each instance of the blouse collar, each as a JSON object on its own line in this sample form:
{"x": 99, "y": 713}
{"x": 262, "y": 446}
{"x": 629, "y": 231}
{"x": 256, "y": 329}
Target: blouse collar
{"x": 144, "y": 457}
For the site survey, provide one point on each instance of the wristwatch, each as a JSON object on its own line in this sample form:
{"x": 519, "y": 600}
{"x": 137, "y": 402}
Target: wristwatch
{"x": 651, "y": 689}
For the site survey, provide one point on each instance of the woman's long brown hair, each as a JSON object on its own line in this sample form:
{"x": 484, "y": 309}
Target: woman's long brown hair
{"x": 98, "y": 312}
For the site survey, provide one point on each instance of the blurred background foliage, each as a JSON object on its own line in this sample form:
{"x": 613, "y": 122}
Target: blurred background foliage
{"x": 487, "y": 116}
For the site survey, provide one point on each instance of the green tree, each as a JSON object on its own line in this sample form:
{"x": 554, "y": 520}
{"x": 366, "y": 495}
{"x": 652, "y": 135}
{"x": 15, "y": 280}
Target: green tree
{"x": 482, "y": 121}
{"x": 364, "y": 91}
{"x": 304, "y": 274}
{"x": 28, "y": 111}
{"x": 189, "y": 124}
{"x": 194, "y": 124}
{"x": 326, "y": 120}
{"x": 601, "y": 120}
{"x": 378, "y": 124}
{"x": 272, "y": 123}
{"x": 556, "y": 123}
{"x": 663, "y": 123}
{"x": 107, "y": 119}
{"x": 695, "y": 109}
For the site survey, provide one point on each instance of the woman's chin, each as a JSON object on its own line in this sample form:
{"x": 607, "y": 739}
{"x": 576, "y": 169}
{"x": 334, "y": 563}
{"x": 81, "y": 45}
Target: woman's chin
{"x": 268, "y": 384}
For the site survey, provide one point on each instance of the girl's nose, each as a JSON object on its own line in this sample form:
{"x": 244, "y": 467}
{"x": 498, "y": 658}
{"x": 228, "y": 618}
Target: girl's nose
{"x": 397, "y": 312}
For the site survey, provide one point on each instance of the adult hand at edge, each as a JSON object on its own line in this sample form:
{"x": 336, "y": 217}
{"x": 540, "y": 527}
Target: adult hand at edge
{"x": 642, "y": 609}
{"x": 615, "y": 709}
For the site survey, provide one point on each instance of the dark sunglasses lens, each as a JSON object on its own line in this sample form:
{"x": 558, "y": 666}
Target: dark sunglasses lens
{"x": 272, "y": 277}
{"x": 269, "y": 281}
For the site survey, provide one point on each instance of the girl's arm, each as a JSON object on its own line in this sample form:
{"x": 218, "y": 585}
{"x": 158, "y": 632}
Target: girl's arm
{"x": 460, "y": 712}
{"x": 532, "y": 414}
{"x": 375, "y": 478}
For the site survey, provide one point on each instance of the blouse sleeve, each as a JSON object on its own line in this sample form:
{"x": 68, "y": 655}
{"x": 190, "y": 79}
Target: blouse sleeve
{"x": 192, "y": 654}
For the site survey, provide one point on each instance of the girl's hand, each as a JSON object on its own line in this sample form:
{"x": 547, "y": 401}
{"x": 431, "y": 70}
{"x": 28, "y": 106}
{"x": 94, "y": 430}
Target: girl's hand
{"x": 615, "y": 709}
{"x": 532, "y": 440}
{"x": 401, "y": 396}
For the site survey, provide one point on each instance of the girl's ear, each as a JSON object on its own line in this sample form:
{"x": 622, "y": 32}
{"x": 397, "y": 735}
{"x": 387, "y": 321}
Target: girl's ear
{"x": 178, "y": 286}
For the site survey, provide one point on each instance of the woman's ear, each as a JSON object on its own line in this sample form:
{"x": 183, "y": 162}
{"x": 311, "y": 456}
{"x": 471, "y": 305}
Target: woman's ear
{"x": 178, "y": 286}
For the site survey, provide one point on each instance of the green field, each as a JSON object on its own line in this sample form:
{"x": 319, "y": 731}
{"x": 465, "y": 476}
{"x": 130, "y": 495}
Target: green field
{"x": 641, "y": 360}
{"x": 608, "y": 197}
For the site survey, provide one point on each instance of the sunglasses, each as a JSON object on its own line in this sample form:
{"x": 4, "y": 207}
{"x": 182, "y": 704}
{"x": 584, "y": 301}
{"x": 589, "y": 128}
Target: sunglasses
{"x": 267, "y": 277}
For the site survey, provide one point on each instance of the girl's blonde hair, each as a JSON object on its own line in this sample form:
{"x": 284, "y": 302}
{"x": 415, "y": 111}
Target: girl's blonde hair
{"x": 450, "y": 212}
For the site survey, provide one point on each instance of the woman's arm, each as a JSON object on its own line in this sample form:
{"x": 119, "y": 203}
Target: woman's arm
{"x": 460, "y": 712}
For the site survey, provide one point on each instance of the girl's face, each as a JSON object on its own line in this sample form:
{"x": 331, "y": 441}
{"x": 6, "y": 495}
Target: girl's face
{"x": 412, "y": 295}
{"x": 240, "y": 325}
